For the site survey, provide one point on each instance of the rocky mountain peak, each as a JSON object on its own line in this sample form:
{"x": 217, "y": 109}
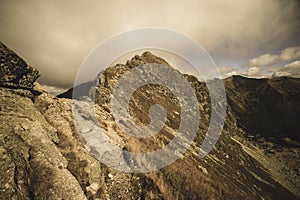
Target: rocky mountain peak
{"x": 146, "y": 57}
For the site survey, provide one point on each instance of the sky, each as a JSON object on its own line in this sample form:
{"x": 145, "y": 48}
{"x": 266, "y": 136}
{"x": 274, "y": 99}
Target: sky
{"x": 255, "y": 38}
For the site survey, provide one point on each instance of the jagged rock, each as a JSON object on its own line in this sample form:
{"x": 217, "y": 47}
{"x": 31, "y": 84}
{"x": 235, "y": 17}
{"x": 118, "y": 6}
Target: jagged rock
{"x": 14, "y": 72}
{"x": 146, "y": 57}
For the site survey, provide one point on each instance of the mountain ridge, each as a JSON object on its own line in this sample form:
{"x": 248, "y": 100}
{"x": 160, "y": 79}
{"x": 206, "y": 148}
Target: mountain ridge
{"x": 41, "y": 150}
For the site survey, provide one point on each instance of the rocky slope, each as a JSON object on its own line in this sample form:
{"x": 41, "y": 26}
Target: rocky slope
{"x": 268, "y": 107}
{"x": 42, "y": 156}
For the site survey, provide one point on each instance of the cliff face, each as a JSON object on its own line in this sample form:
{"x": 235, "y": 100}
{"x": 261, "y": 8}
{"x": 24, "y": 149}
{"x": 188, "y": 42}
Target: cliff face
{"x": 42, "y": 156}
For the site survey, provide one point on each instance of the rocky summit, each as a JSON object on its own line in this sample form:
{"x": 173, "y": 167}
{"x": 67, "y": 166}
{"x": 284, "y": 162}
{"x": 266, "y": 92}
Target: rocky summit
{"x": 43, "y": 154}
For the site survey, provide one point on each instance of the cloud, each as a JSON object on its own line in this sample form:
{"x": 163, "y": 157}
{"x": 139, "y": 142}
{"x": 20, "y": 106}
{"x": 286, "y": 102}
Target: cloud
{"x": 293, "y": 65}
{"x": 231, "y": 73}
{"x": 289, "y": 54}
{"x": 254, "y": 72}
{"x": 291, "y": 69}
{"x": 265, "y": 60}
{"x": 55, "y": 36}
{"x": 227, "y": 71}
{"x": 286, "y": 55}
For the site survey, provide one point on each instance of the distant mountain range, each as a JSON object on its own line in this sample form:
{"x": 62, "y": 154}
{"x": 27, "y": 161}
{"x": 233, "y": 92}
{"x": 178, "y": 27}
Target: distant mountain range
{"x": 269, "y": 108}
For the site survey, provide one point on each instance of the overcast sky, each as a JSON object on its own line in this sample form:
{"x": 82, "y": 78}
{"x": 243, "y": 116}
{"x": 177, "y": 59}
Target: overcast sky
{"x": 253, "y": 38}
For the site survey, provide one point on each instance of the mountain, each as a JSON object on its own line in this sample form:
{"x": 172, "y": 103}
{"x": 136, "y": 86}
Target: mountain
{"x": 43, "y": 156}
{"x": 84, "y": 89}
{"x": 266, "y": 107}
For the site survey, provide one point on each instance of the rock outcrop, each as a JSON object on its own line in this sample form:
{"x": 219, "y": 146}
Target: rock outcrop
{"x": 41, "y": 158}
{"x": 32, "y": 167}
{"x": 14, "y": 72}
{"x": 42, "y": 155}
